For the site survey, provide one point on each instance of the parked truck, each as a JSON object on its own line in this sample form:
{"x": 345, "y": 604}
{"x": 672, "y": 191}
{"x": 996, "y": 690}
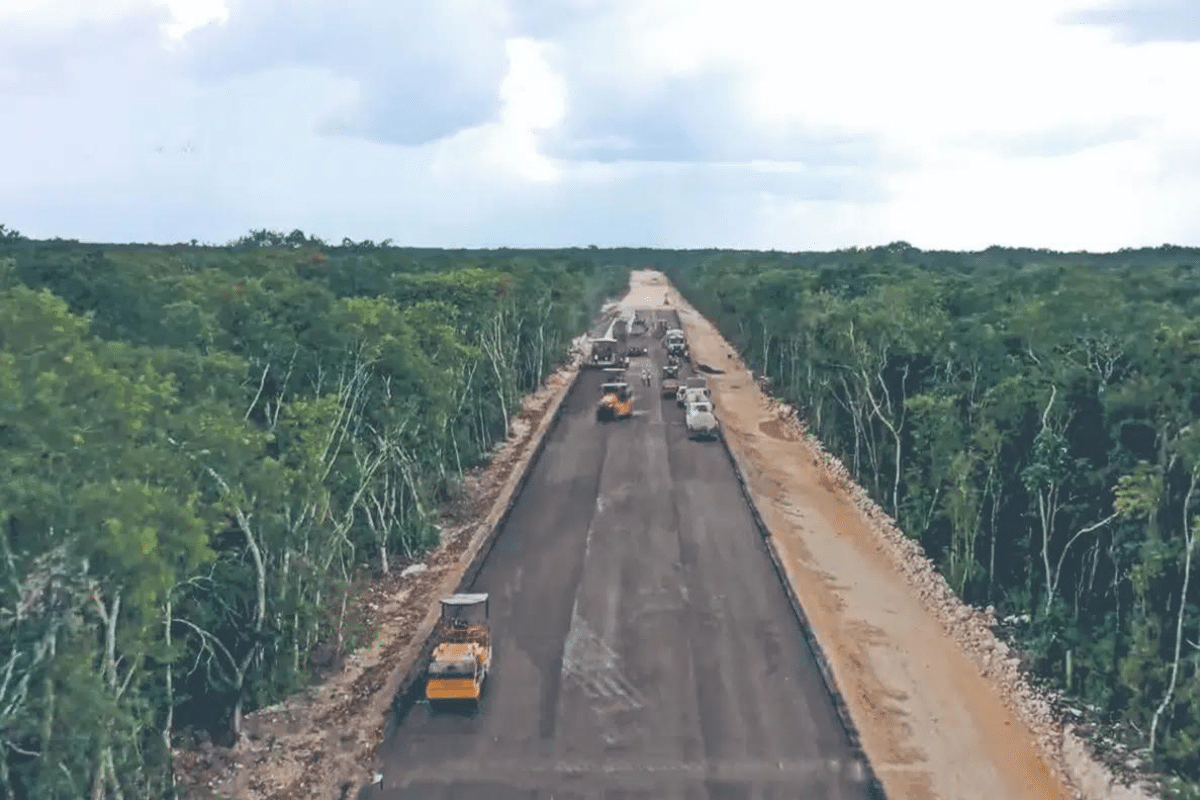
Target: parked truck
{"x": 700, "y": 420}
{"x": 693, "y": 390}
{"x": 675, "y": 343}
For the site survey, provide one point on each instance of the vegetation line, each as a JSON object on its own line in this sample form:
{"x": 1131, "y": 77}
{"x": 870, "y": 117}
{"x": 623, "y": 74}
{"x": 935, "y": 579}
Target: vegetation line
{"x": 1029, "y": 417}
{"x": 205, "y": 448}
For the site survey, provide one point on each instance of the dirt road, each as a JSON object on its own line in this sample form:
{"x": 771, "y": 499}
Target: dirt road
{"x": 645, "y": 647}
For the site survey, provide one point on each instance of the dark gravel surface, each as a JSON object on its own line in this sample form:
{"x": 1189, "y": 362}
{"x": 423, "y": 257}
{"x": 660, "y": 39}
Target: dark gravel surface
{"x": 644, "y": 645}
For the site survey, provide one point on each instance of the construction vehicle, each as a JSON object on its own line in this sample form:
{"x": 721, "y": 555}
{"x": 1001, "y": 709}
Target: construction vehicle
{"x": 693, "y": 390}
{"x": 616, "y": 402}
{"x": 462, "y": 653}
{"x": 700, "y": 420}
{"x": 675, "y": 343}
{"x": 604, "y": 353}
{"x": 620, "y": 329}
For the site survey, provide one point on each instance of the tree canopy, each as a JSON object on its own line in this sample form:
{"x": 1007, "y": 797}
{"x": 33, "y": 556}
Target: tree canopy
{"x": 204, "y": 447}
{"x": 1028, "y": 417}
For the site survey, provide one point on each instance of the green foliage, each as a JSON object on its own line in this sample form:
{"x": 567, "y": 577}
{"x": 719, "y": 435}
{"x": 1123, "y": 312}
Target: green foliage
{"x": 203, "y": 448}
{"x": 1031, "y": 418}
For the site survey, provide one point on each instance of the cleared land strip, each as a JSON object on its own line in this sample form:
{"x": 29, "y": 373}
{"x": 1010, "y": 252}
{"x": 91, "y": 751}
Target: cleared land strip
{"x": 931, "y": 724}
{"x": 642, "y": 636}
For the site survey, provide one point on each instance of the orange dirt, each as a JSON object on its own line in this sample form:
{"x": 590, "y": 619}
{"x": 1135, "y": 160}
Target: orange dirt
{"x": 931, "y": 723}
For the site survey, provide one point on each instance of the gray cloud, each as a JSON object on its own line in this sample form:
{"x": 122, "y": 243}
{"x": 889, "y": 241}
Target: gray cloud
{"x": 41, "y": 60}
{"x": 695, "y": 118}
{"x": 1148, "y": 21}
{"x": 426, "y": 70}
{"x": 616, "y": 115}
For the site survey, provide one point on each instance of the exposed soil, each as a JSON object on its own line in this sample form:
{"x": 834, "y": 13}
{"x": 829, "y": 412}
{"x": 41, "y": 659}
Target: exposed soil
{"x": 940, "y": 702}
{"x": 322, "y": 742}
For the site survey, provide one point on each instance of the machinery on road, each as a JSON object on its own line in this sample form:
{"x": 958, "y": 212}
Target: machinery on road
{"x": 604, "y": 353}
{"x": 675, "y": 343}
{"x": 616, "y": 402}
{"x": 701, "y": 422}
{"x": 693, "y": 390}
{"x": 462, "y": 653}
{"x": 620, "y": 329}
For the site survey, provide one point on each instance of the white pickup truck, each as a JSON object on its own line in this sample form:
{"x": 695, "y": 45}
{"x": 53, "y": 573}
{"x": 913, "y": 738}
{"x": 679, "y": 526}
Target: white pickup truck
{"x": 701, "y": 422}
{"x": 693, "y": 390}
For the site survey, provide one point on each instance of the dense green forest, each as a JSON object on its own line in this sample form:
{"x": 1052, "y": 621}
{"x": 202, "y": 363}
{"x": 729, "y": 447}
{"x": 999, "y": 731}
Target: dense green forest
{"x": 1029, "y": 417}
{"x": 204, "y": 447}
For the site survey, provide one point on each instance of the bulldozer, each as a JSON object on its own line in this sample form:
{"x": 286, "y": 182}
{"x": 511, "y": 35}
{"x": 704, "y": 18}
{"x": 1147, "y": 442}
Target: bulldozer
{"x": 616, "y": 402}
{"x": 462, "y": 652}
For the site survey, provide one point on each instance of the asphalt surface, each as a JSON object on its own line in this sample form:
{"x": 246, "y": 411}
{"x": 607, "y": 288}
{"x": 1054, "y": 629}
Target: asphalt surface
{"x": 644, "y": 645}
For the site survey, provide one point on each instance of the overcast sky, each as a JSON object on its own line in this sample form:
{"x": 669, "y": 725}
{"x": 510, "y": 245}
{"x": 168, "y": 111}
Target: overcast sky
{"x": 793, "y": 125}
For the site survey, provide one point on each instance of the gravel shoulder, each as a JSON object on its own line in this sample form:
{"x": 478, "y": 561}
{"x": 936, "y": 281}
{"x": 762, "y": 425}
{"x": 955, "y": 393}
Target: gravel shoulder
{"x": 939, "y": 701}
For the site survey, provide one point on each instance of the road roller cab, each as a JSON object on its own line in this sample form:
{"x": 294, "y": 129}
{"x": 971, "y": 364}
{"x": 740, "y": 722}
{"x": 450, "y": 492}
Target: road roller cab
{"x": 462, "y": 652}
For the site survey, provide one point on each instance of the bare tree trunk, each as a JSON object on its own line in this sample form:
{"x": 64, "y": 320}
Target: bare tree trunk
{"x": 1189, "y": 541}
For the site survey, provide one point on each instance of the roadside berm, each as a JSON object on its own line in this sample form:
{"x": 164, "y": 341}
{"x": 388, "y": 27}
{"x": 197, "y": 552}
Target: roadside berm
{"x": 939, "y": 702}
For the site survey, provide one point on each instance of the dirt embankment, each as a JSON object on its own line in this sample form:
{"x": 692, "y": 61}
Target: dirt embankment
{"x": 321, "y": 743}
{"x": 940, "y": 703}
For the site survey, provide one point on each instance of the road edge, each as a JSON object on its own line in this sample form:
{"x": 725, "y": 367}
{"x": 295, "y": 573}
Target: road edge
{"x": 874, "y": 785}
{"x": 409, "y": 665}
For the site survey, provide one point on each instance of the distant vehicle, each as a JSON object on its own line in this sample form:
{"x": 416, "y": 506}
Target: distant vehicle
{"x": 604, "y": 353}
{"x": 701, "y": 422}
{"x": 697, "y": 385}
{"x": 462, "y": 654}
{"x": 675, "y": 343}
{"x": 616, "y": 402}
{"x": 686, "y": 397}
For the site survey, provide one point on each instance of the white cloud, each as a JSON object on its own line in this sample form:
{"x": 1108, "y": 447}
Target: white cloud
{"x": 188, "y": 15}
{"x": 672, "y": 122}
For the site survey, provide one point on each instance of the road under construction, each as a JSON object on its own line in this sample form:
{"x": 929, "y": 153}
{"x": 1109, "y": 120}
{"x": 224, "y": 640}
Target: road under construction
{"x": 644, "y": 645}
